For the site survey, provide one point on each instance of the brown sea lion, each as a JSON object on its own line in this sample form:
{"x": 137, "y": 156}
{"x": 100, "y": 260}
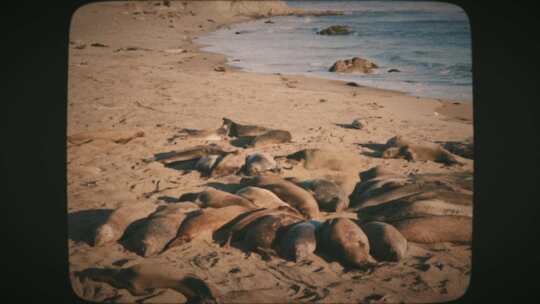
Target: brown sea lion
{"x": 386, "y": 243}
{"x": 344, "y": 240}
{"x": 205, "y": 164}
{"x": 142, "y": 279}
{"x": 215, "y": 134}
{"x": 436, "y": 229}
{"x": 403, "y": 209}
{"x": 119, "y": 137}
{"x": 189, "y": 154}
{"x": 287, "y": 191}
{"x": 160, "y": 227}
{"x": 239, "y": 130}
{"x": 215, "y": 198}
{"x": 271, "y": 137}
{"x": 232, "y": 231}
{"x": 376, "y": 172}
{"x": 259, "y": 163}
{"x": 326, "y": 159}
{"x": 204, "y": 224}
{"x": 228, "y": 164}
{"x": 262, "y": 198}
{"x": 299, "y": 241}
{"x": 261, "y": 235}
{"x": 329, "y": 195}
{"x": 117, "y": 222}
{"x": 424, "y": 152}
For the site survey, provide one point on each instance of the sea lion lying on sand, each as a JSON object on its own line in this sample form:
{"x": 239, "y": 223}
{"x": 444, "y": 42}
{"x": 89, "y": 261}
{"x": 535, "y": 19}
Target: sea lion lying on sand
{"x": 397, "y": 147}
{"x": 386, "y": 243}
{"x": 259, "y": 163}
{"x": 142, "y": 279}
{"x": 204, "y": 223}
{"x": 239, "y": 130}
{"x": 329, "y": 195}
{"x": 271, "y": 137}
{"x": 228, "y": 164}
{"x": 299, "y": 241}
{"x": 189, "y": 154}
{"x": 287, "y": 191}
{"x": 344, "y": 240}
{"x": 262, "y": 198}
{"x": 326, "y": 159}
{"x": 436, "y": 229}
{"x": 215, "y": 198}
{"x": 117, "y": 222}
{"x": 205, "y": 164}
{"x": 118, "y": 137}
{"x": 160, "y": 227}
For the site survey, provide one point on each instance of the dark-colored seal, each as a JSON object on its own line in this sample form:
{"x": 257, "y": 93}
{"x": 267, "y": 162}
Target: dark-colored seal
{"x": 343, "y": 240}
{"x": 386, "y": 243}
{"x": 142, "y": 279}
{"x": 329, "y": 195}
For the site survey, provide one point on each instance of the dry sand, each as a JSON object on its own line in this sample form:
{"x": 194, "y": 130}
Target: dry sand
{"x": 143, "y": 81}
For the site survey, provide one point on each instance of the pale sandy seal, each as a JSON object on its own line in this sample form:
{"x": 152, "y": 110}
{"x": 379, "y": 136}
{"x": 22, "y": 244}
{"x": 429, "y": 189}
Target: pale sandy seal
{"x": 160, "y": 227}
{"x": 239, "y": 130}
{"x": 142, "y": 279}
{"x": 299, "y": 241}
{"x": 329, "y": 195}
{"x": 326, "y": 159}
{"x": 117, "y": 222}
{"x": 189, "y": 154}
{"x": 399, "y": 147}
{"x": 386, "y": 243}
{"x": 403, "y": 209}
{"x": 262, "y": 198}
{"x": 344, "y": 240}
{"x": 271, "y": 137}
{"x": 287, "y": 191}
{"x": 259, "y": 163}
{"x": 436, "y": 229}
{"x": 215, "y": 198}
{"x": 262, "y": 235}
{"x": 204, "y": 224}
{"x": 212, "y": 134}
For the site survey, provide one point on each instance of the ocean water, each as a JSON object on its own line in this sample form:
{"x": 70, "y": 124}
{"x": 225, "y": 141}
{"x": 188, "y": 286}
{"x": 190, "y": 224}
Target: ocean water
{"x": 429, "y": 42}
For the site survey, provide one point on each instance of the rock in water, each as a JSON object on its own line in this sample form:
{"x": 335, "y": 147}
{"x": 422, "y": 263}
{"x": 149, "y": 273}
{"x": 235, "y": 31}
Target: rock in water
{"x": 355, "y": 64}
{"x": 335, "y": 30}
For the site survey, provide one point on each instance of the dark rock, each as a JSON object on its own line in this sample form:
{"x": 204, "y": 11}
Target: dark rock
{"x": 335, "y": 30}
{"x": 355, "y": 64}
{"x": 352, "y": 84}
{"x": 393, "y": 71}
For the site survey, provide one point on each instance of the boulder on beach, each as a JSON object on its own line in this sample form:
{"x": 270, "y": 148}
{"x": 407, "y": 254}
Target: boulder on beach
{"x": 335, "y": 30}
{"x": 353, "y": 65}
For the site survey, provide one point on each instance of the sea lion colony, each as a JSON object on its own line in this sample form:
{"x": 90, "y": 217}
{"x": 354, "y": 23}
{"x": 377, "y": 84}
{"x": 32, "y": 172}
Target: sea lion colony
{"x": 282, "y": 217}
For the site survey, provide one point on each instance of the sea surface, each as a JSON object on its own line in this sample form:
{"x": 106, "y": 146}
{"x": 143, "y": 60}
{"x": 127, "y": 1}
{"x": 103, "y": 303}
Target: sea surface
{"x": 429, "y": 42}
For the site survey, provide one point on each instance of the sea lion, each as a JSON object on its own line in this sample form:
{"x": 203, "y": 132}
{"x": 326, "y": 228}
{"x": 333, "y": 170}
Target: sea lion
{"x": 142, "y": 279}
{"x": 262, "y": 198}
{"x": 215, "y": 198}
{"x": 259, "y": 163}
{"x": 386, "y": 243}
{"x": 299, "y": 241}
{"x": 118, "y": 137}
{"x": 261, "y": 234}
{"x": 205, "y": 164}
{"x": 376, "y": 172}
{"x": 403, "y": 209}
{"x": 463, "y": 148}
{"x": 436, "y": 229}
{"x": 228, "y": 164}
{"x": 344, "y": 240}
{"x": 204, "y": 224}
{"x": 377, "y": 186}
{"x": 117, "y": 222}
{"x": 214, "y": 134}
{"x": 189, "y": 154}
{"x": 326, "y": 159}
{"x": 239, "y": 130}
{"x": 271, "y": 137}
{"x": 287, "y": 191}
{"x": 233, "y": 230}
{"x": 160, "y": 227}
{"x": 328, "y": 194}
{"x": 424, "y": 152}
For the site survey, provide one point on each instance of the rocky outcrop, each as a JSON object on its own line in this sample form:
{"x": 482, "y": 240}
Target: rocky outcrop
{"x": 335, "y": 30}
{"x": 353, "y": 65}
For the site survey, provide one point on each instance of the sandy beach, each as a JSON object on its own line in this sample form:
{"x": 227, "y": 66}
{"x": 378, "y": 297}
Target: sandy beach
{"x": 134, "y": 67}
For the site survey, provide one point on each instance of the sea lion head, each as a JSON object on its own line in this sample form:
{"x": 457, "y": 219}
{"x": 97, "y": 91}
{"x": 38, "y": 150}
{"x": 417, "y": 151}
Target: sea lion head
{"x": 104, "y": 234}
